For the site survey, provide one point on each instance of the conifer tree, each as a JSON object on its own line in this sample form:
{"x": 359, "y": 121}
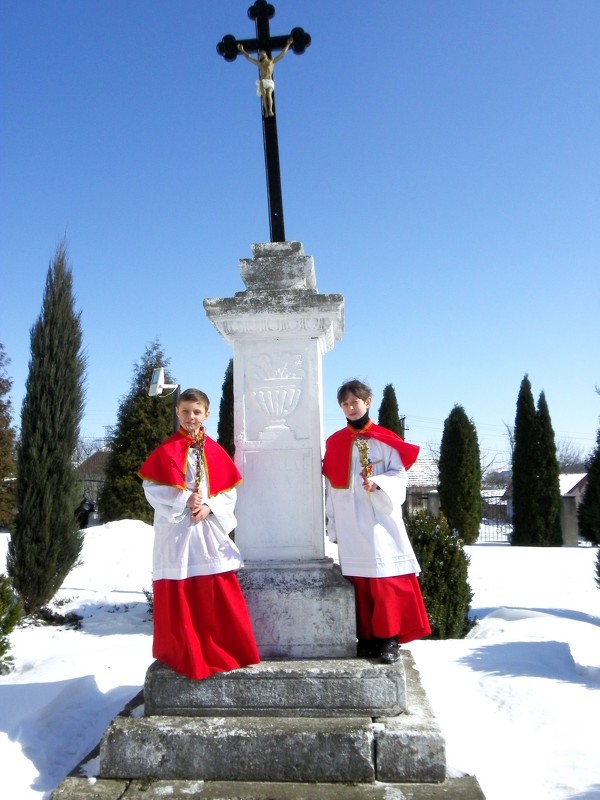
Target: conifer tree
{"x": 460, "y": 475}
{"x": 547, "y": 495}
{"x": 588, "y": 513}
{"x": 444, "y": 575}
{"x": 536, "y": 490}
{"x": 7, "y": 446}
{"x": 143, "y": 422}
{"x": 525, "y": 520}
{"x": 225, "y": 429}
{"x": 388, "y": 412}
{"x": 10, "y": 613}
{"x": 46, "y": 543}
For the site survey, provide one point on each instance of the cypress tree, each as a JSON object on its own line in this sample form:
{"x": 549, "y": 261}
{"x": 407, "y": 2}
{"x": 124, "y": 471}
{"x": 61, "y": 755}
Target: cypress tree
{"x": 444, "y": 575}
{"x": 547, "y": 495}
{"x": 225, "y": 428}
{"x": 526, "y": 524}
{"x": 143, "y": 422}
{"x": 460, "y": 475}
{"x": 7, "y": 446}
{"x": 45, "y": 543}
{"x": 388, "y": 412}
{"x": 10, "y": 614}
{"x": 588, "y": 513}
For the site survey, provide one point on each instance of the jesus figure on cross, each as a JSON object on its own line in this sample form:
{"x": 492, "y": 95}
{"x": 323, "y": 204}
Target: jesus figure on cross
{"x": 265, "y": 85}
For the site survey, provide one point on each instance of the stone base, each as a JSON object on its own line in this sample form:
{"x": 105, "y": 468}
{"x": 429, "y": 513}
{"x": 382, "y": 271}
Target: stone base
{"x": 325, "y": 747}
{"x": 325, "y": 688}
{"x": 303, "y": 610}
{"x": 73, "y": 788}
{"x": 240, "y": 748}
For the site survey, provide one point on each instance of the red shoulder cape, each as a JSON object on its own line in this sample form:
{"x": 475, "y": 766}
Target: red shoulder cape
{"x": 338, "y": 451}
{"x": 168, "y": 464}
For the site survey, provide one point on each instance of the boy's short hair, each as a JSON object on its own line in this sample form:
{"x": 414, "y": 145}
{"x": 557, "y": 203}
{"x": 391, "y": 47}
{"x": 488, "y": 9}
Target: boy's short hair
{"x": 194, "y": 396}
{"x": 355, "y": 387}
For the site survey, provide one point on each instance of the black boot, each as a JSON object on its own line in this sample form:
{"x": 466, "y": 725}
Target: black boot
{"x": 365, "y": 648}
{"x": 389, "y": 650}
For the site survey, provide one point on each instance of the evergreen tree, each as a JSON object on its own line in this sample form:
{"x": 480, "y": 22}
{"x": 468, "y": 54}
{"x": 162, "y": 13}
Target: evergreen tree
{"x": 45, "y": 543}
{"x": 225, "y": 429}
{"x": 588, "y": 513}
{"x": 10, "y": 613}
{"x": 536, "y": 490}
{"x": 460, "y": 475}
{"x": 7, "y": 446}
{"x": 526, "y": 524}
{"x": 143, "y": 422}
{"x": 444, "y": 575}
{"x": 547, "y": 495}
{"x": 388, "y": 412}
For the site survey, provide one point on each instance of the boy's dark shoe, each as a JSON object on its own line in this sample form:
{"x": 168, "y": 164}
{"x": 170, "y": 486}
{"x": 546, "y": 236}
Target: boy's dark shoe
{"x": 389, "y": 651}
{"x": 366, "y": 648}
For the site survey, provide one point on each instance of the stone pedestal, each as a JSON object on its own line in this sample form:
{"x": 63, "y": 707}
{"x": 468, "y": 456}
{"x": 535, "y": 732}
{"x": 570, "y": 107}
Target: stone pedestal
{"x": 336, "y": 721}
{"x": 279, "y": 328}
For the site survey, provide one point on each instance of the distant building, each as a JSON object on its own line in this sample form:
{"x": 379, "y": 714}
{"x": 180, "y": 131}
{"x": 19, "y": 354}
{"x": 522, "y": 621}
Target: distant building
{"x": 91, "y": 474}
{"x": 573, "y": 485}
{"x": 422, "y": 491}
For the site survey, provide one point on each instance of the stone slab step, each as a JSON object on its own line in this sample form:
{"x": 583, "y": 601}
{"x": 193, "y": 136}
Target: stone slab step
{"x": 465, "y": 788}
{"x": 393, "y": 749}
{"x": 286, "y": 688}
{"x": 404, "y": 747}
{"x": 239, "y": 748}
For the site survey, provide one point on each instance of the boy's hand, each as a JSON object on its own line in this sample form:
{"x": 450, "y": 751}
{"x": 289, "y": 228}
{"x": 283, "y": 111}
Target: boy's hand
{"x": 201, "y": 514}
{"x": 194, "y": 502}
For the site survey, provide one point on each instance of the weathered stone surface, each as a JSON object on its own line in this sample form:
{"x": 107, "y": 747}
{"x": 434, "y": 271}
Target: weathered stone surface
{"x": 89, "y": 789}
{"x": 239, "y": 748}
{"x": 279, "y": 266}
{"x": 409, "y": 751}
{"x": 319, "y": 688}
{"x": 300, "y": 611}
{"x": 410, "y": 747}
{"x": 465, "y": 788}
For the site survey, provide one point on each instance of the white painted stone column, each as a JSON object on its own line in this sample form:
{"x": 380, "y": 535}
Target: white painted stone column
{"x": 280, "y": 327}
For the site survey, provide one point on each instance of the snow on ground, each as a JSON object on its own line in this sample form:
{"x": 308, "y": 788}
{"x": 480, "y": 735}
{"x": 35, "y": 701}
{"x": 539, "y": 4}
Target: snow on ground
{"x": 518, "y": 700}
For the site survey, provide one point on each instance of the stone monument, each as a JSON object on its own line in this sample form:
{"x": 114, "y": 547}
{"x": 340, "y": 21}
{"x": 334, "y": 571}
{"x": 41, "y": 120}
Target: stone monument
{"x": 280, "y": 327}
{"x": 310, "y": 715}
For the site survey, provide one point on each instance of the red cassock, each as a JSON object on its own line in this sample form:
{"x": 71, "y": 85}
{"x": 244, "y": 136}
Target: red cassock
{"x": 201, "y": 621}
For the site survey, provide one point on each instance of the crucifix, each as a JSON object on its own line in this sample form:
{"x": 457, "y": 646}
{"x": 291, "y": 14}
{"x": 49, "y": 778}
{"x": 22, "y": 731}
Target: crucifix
{"x": 264, "y": 44}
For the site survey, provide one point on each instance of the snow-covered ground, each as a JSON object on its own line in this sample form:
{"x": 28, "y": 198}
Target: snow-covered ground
{"x": 518, "y": 700}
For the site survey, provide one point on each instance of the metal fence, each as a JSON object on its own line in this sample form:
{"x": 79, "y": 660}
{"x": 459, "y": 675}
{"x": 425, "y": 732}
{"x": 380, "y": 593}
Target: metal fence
{"x": 495, "y": 526}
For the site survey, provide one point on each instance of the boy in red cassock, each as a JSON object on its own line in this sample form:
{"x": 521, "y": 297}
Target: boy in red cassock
{"x": 201, "y": 622}
{"x": 365, "y": 469}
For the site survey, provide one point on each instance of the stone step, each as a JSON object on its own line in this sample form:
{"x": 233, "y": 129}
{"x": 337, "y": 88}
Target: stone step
{"x": 239, "y": 748}
{"x": 395, "y": 748}
{"x": 307, "y": 688}
{"x": 73, "y": 788}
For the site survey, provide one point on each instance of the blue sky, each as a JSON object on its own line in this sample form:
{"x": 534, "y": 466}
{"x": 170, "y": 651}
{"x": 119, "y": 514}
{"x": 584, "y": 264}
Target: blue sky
{"x": 440, "y": 161}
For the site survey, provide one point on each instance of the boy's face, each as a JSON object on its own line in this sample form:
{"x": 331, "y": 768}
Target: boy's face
{"x": 192, "y": 414}
{"x": 353, "y": 407}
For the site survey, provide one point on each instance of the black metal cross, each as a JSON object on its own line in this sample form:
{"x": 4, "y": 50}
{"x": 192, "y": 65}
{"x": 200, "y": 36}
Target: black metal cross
{"x": 261, "y": 12}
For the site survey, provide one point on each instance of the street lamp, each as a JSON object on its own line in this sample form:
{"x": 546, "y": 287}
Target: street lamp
{"x": 157, "y": 388}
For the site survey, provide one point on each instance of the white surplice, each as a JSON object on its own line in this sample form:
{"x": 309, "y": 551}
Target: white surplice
{"x": 184, "y": 549}
{"x": 368, "y": 526}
